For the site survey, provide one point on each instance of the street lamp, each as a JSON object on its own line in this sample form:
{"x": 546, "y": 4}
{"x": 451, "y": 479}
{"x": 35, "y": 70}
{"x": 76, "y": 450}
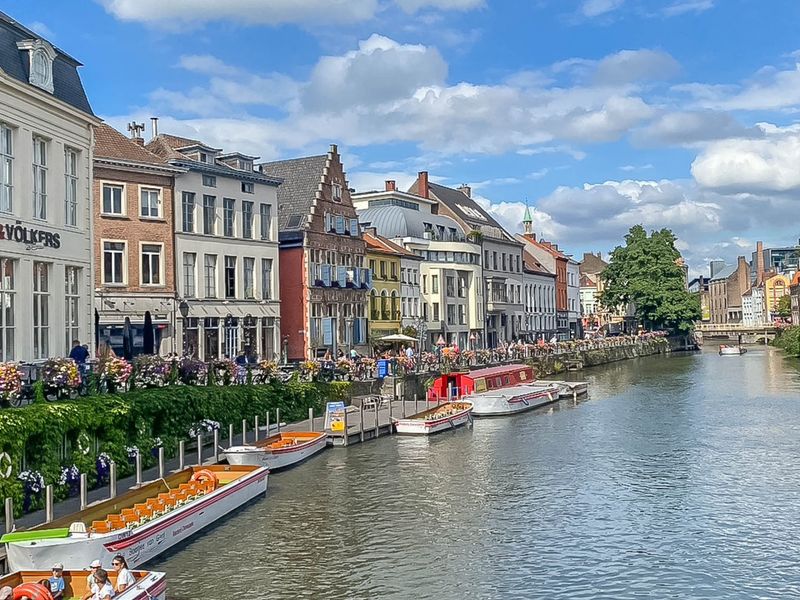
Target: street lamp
{"x": 183, "y": 308}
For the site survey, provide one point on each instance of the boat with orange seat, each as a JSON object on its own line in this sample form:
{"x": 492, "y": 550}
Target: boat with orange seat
{"x": 140, "y": 524}
{"x": 440, "y": 418}
{"x": 149, "y": 585}
{"x": 278, "y": 451}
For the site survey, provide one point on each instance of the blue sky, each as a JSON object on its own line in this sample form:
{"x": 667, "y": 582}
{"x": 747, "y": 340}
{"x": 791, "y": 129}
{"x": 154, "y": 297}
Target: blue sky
{"x": 599, "y": 113}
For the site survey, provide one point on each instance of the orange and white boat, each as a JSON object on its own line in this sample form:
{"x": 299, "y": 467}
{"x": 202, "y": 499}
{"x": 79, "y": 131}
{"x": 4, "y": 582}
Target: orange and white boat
{"x": 149, "y": 585}
{"x": 139, "y": 524}
{"x": 445, "y": 416}
{"x": 278, "y": 451}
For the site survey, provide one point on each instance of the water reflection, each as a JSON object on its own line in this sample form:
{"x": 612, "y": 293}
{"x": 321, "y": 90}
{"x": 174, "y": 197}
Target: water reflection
{"x": 677, "y": 477}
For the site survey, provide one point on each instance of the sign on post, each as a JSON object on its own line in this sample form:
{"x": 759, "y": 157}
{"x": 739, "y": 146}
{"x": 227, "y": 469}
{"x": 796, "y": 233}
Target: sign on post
{"x": 334, "y": 416}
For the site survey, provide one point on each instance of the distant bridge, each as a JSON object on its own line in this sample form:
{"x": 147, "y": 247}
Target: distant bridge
{"x": 731, "y": 331}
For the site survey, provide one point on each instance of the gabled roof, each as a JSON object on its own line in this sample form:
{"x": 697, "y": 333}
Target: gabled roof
{"x": 724, "y": 273}
{"x": 164, "y": 146}
{"x": 592, "y": 264}
{"x": 301, "y": 181}
{"x": 110, "y": 143}
{"x": 14, "y": 62}
{"x": 531, "y": 265}
{"x": 378, "y": 243}
{"x": 457, "y": 201}
{"x": 542, "y": 244}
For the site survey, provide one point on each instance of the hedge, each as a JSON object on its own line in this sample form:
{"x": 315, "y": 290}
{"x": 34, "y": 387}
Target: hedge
{"x": 109, "y": 423}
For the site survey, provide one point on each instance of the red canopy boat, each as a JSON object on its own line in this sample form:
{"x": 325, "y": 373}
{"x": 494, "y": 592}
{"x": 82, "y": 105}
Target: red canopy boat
{"x": 459, "y": 384}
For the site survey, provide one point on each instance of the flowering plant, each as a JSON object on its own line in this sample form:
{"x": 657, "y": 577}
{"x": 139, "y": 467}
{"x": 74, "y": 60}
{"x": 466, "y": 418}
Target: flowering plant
{"x": 10, "y": 380}
{"x": 133, "y": 452}
{"x": 150, "y": 371}
{"x": 70, "y": 476}
{"x": 192, "y": 371}
{"x": 33, "y": 481}
{"x": 309, "y": 369}
{"x": 61, "y": 375}
{"x": 406, "y": 362}
{"x": 367, "y": 362}
{"x": 116, "y": 371}
{"x": 269, "y": 368}
{"x": 344, "y": 364}
{"x": 204, "y": 426}
{"x": 103, "y": 464}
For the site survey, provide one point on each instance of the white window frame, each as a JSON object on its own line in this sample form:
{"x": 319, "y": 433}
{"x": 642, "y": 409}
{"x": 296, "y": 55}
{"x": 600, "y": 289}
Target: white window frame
{"x": 184, "y": 213}
{"x": 249, "y": 294}
{"x": 216, "y": 276}
{"x": 266, "y": 283}
{"x": 160, "y": 192}
{"x": 123, "y": 199}
{"x": 72, "y": 306}
{"x": 41, "y": 332}
{"x": 6, "y": 167}
{"x": 265, "y": 227}
{"x": 8, "y": 298}
{"x": 71, "y": 180}
{"x": 124, "y": 262}
{"x": 161, "y": 273}
{"x": 336, "y": 192}
{"x": 41, "y": 147}
{"x": 184, "y": 272}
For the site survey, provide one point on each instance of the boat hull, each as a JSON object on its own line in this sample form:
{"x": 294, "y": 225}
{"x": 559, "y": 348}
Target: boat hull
{"x": 143, "y": 543}
{"x": 150, "y": 585}
{"x": 274, "y": 459}
{"x": 429, "y": 426}
{"x": 731, "y": 351}
{"x": 504, "y": 404}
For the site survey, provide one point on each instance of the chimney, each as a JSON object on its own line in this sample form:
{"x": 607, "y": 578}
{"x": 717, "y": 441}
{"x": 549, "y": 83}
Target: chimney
{"x": 333, "y": 149}
{"x": 154, "y": 126}
{"x": 391, "y": 185}
{"x": 422, "y": 184}
{"x": 139, "y": 141}
{"x": 759, "y": 263}
{"x": 465, "y": 189}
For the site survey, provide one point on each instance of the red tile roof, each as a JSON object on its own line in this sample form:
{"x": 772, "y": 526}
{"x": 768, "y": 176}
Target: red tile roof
{"x": 110, "y": 143}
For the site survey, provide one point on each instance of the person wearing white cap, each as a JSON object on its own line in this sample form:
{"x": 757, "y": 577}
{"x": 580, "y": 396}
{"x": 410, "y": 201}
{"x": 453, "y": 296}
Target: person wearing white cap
{"x": 56, "y": 582}
{"x": 90, "y": 581}
{"x": 6, "y": 593}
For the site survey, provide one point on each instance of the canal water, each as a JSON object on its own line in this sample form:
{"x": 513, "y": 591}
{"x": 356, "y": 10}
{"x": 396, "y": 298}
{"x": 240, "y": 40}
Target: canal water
{"x": 679, "y": 477}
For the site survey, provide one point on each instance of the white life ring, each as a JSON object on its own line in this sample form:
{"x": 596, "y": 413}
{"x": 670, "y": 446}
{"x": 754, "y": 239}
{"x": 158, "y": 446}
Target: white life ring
{"x": 84, "y": 443}
{"x": 5, "y": 465}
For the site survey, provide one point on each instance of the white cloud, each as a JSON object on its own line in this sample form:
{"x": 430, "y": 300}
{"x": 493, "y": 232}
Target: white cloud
{"x": 691, "y": 127}
{"x": 769, "y": 164}
{"x": 596, "y": 8}
{"x": 687, "y": 6}
{"x": 42, "y": 29}
{"x": 271, "y": 12}
{"x": 635, "y": 65}
{"x": 411, "y": 6}
{"x": 366, "y": 181}
{"x": 206, "y": 64}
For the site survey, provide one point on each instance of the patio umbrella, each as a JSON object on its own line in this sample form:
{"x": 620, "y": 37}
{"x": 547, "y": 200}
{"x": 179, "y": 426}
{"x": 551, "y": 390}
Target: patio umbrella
{"x": 398, "y": 338}
{"x": 148, "y": 342}
{"x": 440, "y": 342}
{"x": 127, "y": 340}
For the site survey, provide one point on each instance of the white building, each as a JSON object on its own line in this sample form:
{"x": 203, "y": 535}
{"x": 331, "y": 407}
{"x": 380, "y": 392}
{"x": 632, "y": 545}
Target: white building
{"x": 574, "y": 299}
{"x": 451, "y": 284}
{"x": 410, "y": 298}
{"x": 226, "y": 251}
{"x": 754, "y": 306}
{"x": 539, "y": 299}
{"x": 46, "y": 132}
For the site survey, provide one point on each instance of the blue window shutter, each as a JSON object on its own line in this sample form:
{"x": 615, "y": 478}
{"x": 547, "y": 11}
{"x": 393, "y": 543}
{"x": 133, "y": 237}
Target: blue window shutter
{"x": 327, "y": 331}
{"x": 357, "y": 277}
{"x": 342, "y": 277}
{"x": 354, "y": 227}
{"x": 326, "y": 274}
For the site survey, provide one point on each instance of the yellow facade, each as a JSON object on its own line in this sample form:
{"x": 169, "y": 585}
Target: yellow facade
{"x": 384, "y": 297}
{"x": 775, "y": 288}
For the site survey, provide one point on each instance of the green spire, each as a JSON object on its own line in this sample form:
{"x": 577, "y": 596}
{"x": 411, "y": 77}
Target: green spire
{"x": 527, "y": 217}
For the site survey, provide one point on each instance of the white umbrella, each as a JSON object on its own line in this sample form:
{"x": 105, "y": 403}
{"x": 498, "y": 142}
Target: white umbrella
{"x": 398, "y": 337}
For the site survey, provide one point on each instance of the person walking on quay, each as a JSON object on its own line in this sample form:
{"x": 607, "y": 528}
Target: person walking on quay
{"x": 78, "y": 353}
{"x": 105, "y": 351}
{"x": 125, "y": 578}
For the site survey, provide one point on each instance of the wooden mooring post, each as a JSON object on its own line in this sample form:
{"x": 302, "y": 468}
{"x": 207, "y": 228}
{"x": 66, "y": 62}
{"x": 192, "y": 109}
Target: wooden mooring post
{"x": 255, "y": 427}
{"x": 311, "y": 418}
{"x": 9, "y": 515}
{"x": 181, "y": 455}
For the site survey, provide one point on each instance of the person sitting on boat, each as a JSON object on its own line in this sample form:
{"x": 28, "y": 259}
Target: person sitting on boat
{"x": 56, "y": 583}
{"x": 125, "y": 578}
{"x": 102, "y": 590}
{"x": 90, "y": 579}
{"x": 6, "y": 592}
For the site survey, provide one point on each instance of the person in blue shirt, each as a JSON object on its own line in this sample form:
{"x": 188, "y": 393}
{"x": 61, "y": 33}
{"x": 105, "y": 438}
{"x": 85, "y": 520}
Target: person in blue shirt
{"x": 78, "y": 353}
{"x": 56, "y": 582}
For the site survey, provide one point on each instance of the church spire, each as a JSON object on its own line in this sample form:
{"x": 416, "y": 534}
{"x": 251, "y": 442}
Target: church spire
{"x": 527, "y": 221}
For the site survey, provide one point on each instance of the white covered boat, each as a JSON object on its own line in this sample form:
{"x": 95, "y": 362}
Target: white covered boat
{"x": 139, "y": 524}
{"x": 150, "y": 585}
{"x": 512, "y": 400}
{"x": 440, "y": 418}
{"x": 725, "y": 350}
{"x": 278, "y": 451}
{"x": 570, "y": 389}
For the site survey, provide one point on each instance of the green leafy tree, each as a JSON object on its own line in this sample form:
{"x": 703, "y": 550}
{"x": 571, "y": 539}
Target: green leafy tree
{"x": 785, "y": 307}
{"x": 647, "y": 273}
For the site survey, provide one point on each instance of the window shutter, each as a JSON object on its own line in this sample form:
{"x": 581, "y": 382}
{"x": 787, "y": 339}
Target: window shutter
{"x": 354, "y": 227}
{"x": 327, "y": 331}
{"x": 342, "y": 277}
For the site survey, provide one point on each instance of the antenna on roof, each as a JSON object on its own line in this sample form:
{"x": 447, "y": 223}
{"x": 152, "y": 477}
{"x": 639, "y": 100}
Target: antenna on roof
{"x": 136, "y": 129}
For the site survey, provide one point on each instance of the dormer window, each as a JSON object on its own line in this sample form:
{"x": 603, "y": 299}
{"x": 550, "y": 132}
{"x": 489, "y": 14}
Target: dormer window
{"x": 246, "y": 165}
{"x": 40, "y": 63}
{"x": 203, "y": 157}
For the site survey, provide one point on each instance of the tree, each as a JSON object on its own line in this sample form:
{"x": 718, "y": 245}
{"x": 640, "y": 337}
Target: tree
{"x": 785, "y": 307}
{"x": 647, "y": 273}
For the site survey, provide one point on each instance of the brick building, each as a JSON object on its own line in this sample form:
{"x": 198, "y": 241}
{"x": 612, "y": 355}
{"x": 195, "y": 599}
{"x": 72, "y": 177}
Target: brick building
{"x": 324, "y": 282}
{"x": 133, "y": 240}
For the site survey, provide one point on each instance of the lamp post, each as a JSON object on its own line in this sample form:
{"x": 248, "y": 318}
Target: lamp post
{"x": 349, "y": 324}
{"x": 183, "y": 308}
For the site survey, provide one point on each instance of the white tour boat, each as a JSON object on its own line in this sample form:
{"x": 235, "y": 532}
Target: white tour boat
{"x": 570, "y": 389}
{"x": 512, "y": 400}
{"x": 139, "y": 524}
{"x": 150, "y": 585}
{"x": 731, "y": 350}
{"x": 278, "y": 451}
{"x": 440, "y": 418}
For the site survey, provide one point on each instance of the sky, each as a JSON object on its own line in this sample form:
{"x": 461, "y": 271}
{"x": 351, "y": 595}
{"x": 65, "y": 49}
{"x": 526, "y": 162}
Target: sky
{"x": 598, "y": 114}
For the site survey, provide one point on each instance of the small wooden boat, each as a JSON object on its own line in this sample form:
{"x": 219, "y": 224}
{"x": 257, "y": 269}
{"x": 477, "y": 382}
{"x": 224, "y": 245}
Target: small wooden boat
{"x": 150, "y": 585}
{"x": 139, "y": 524}
{"x": 278, "y": 451}
{"x": 512, "y": 400}
{"x": 569, "y": 389}
{"x": 725, "y": 350}
{"x": 441, "y": 418}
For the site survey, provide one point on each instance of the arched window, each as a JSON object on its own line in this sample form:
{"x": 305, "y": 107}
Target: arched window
{"x": 384, "y": 305}
{"x": 395, "y": 310}
{"x": 373, "y": 305}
